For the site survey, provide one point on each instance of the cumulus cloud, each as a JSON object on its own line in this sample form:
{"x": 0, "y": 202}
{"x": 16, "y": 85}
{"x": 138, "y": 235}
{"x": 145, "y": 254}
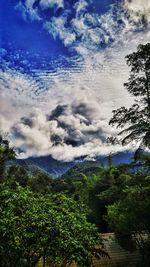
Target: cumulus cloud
{"x": 32, "y": 134}
{"x": 71, "y": 119}
{"x": 77, "y": 122}
{"x": 68, "y": 132}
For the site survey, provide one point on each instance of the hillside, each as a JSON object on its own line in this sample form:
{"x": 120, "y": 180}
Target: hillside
{"x": 58, "y": 168}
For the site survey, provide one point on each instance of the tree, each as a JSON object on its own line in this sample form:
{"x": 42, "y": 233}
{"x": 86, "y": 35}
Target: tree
{"x": 137, "y": 117}
{"x": 129, "y": 216}
{"x": 50, "y": 226}
{"x": 75, "y": 239}
{"x": 6, "y": 153}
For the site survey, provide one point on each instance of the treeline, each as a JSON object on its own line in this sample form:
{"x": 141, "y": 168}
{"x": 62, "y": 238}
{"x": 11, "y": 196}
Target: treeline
{"x": 60, "y": 219}
{"x": 38, "y": 221}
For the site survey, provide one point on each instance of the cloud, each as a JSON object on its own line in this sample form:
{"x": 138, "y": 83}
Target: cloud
{"x": 68, "y": 132}
{"x": 27, "y": 10}
{"x": 30, "y": 8}
{"x": 32, "y": 135}
{"x": 50, "y": 3}
{"x": 57, "y": 28}
{"x": 81, "y": 6}
{"x": 84, "y": 30}
{"x": 70, "y": 120}
{"x": 138, "y": 9}
{"x": 89, "y": 30}
{"x": 17, "y": 96}
{"x": 69, "y": 117}
{"x": 77, "y": 122}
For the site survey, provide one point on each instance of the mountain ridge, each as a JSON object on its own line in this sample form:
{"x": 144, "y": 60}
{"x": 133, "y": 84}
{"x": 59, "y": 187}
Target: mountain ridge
{"x": 58, "y": 168}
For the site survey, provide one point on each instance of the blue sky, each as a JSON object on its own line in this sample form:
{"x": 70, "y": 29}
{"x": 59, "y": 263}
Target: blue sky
{"x": 27, "y": 36}
{"x": 62, "y": 72}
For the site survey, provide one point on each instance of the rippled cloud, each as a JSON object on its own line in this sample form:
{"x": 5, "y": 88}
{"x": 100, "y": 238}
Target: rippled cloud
{"x": 66, "y": 113}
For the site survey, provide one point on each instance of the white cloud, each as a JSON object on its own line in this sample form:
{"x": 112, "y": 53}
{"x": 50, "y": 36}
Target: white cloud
{"x": 138, "y": 9}
{"x": 78, "y": 131}
{"x": 88, "y": 97}
{"x": 27, "y": 10}
{"x": 86, "y": 94}
{"x": 57, "y": 28}
{"x": 50, "y": 3}
{"x": 92, "y": 30}
{"x": 17, "y": 96}
{"x": 32, "y": 134}
{"x": 81, "y": 6}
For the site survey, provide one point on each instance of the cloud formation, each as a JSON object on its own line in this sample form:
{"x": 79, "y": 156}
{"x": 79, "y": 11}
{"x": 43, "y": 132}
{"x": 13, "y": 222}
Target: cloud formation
{"x": 56, "y": 27}
{"x": 68, "y": 132}
{"x": 88, "y": 30}
{"x": 69, "y": 118}
{"x": 85, "y": 29}
{"x": 138, "y": 9}
{"x": 50, "y": 3}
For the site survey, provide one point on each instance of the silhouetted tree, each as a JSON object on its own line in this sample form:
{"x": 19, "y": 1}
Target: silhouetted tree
{"x": 6, "y": 153}
{"x": 136, "y": 119}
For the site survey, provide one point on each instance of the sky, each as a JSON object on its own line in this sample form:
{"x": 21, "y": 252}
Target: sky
{"x": 62, "y": 69}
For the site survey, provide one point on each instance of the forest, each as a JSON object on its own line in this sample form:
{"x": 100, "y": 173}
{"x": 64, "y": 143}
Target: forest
{"x": 60, "y": 219}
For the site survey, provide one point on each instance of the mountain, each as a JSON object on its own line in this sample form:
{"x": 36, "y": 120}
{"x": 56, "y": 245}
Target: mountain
{"x": 117, "y": 158}
{"x": 57, "y": 168}
{"x": 45, "y": 163}
{"x": 90, "y": 167}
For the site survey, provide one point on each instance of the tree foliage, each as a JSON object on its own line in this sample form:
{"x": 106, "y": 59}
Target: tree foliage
{"x": 6, "y": 153}
{"x": 129, "y": 216}
{"x": 50, "y": 226}
{"x": 136, "y": 119}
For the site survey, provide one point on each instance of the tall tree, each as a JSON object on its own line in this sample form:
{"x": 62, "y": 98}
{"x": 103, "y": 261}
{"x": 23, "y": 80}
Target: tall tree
{"x": 6, "y": 153}
{"x": 51, "y": 226}
{"x": 129, "y": 216}
{"x": 137, "y": 117}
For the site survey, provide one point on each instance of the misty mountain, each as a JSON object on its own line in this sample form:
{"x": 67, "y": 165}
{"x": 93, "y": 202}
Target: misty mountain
{"x": 57, "y": 168}
{"x": 44, "y": 163}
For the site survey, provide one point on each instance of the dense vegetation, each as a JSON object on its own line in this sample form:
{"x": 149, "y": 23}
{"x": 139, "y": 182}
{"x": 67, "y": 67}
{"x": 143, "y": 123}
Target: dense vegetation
{"x": 57, "y": 218}
{"x": 60, "y": 219}
{"x": 37, "y": 221}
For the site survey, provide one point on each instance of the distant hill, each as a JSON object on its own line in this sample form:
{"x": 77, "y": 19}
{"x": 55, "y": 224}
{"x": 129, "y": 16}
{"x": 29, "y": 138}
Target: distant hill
{"x": 83, "y": 168}
{"x": 90, "y": 167}
{"x": 45, "y": 163}
{"x": 58, "y": 168}
{"x": 117, "y": 158}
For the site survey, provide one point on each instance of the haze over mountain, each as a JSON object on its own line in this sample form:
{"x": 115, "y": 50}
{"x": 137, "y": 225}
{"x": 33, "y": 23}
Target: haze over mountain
{"x": 57, "y": 168}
